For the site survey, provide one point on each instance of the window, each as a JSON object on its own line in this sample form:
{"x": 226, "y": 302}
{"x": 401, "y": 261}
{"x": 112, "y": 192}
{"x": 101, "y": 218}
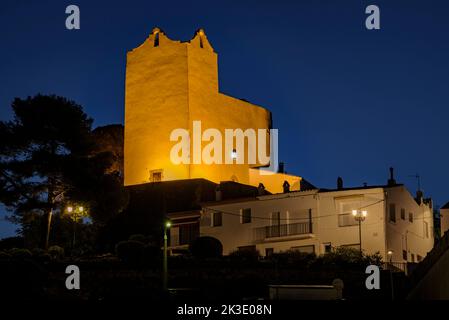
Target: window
{"x": 217, "y": 219}
{"x": 275, "y": 218}
{"x": 392, "y": 213}
{"x": 419, "y": 258}
{"x": 345, "y": 220}
{"x": 156, "y": 40}
{"x": 304, "y": 249}
{"x": 327, "y": 247}
{"x": 402, "y": 213}
{"x": 413, "y": 257}
{"x": 269, "y": 252}
{"x": 404, "y": 255}
{"x": 426, "y": 229}
{"x": 246, "y": 215}
{"x": 188, "y": 233}
{"x": 156, "y": 175}
{"x": 410, "y": 216}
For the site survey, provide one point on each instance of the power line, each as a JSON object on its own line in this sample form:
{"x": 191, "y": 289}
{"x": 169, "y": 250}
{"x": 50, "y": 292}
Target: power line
{"x": 290, "y": 219}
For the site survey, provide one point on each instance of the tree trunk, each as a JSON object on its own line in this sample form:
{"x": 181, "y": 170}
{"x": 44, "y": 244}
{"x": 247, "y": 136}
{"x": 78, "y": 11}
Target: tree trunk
{"x": 48, "y": 217}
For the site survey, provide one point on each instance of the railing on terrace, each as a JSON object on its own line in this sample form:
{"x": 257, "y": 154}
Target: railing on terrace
{"x": 282, "y": 230}
{"x": 395, "y": 266}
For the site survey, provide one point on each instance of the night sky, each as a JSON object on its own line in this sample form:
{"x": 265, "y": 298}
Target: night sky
{"x": 347, "y": 101}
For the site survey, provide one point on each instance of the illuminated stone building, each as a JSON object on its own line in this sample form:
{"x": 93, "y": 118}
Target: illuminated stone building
{"x": 170, "y": 84}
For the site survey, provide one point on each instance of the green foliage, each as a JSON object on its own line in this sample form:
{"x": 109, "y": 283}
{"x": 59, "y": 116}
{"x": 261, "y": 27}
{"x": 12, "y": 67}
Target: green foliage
{"x": 4, "y": 255}
{"x": 20, "y": 253}
{"x": 11, "y": 242}
{"x": 206, "y": 247}
{"x": 294, "y": 257}
{"x": 48, "y": 158}
{"x": 245, "y": 255}
{"x": 139, "y": 238}
{"x": 151, "y": 254}
{"x": 347, "y": 257}
{"x": 40, "y": 255}
{"x": 56, "y": 252}
{"x": 130, "y": 252}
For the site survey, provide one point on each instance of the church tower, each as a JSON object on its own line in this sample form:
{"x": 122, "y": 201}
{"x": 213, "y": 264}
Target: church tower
{"x": 170, "y": 84}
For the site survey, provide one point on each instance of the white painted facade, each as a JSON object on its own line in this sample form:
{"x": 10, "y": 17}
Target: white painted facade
{"x": 444, "y": 218}
{"x": 282, "y": 222}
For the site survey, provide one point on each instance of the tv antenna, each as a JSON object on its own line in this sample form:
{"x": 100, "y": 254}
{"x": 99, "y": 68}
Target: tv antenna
{"x": 418, "y": 178}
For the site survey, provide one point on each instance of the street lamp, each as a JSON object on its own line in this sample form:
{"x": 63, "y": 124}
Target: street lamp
{"x": 360, "y": 216}
{"x": 390, "y": 256}
{"x": 167, "y": 226}
{"x": 74, "y": 211}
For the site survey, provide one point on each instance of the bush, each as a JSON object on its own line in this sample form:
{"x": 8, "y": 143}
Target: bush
{"x": 152, "y": 251}
{"x": 347, "y": 257}
{"x": 20, "y": 253}
{"x": 294, "y": 257}
{"x": 4, "y": 255}
{"x": 206, "y": 247}
{"x": 130, "y": 251}
{"x": 37, "y": 252}
{"x": 11, "y": 242}
{"x": 56, "y": 252}
{"x": 40, "y": 255}
{"x": 139, "y": 238}
{"x": 375, "y": 259}
{"x": 245, "y": 255}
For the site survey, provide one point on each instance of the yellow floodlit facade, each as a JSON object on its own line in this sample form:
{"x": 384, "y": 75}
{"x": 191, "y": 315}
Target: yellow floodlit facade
{"x": 169, "y": 85}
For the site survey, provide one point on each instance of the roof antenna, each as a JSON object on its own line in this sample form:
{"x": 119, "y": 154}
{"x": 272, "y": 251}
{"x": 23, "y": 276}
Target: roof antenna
{"x": 418, "y": 178}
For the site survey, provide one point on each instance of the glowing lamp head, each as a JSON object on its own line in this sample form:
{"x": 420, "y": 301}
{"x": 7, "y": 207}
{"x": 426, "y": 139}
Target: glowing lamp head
{"x": 364, "y": 213}
{"x": 81, "y": 209}
{"x": 354, "y": 212}
{"x": 168, "y": 224}
{"x": 390, "y": 253}
{"x": 69, "y": 209}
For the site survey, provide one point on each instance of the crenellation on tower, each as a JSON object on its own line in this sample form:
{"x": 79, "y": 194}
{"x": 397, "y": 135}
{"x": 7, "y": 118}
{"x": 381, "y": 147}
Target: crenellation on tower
{"x": 169, "y": 85}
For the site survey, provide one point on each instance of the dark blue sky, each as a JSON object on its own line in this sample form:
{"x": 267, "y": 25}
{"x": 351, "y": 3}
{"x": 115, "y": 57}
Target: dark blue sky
{"x": 347, "y": 101}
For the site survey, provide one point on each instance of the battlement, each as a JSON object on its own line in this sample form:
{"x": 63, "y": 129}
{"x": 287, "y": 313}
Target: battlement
{"x": 170, "y": 84}
{"x": 159, "y": 38}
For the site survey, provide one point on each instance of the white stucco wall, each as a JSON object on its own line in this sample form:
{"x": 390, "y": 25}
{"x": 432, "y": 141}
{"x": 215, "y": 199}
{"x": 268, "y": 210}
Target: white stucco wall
{"x": 406, "y": 235}
{"x": 444, "y": 216}
{"x": 377, "y": 233}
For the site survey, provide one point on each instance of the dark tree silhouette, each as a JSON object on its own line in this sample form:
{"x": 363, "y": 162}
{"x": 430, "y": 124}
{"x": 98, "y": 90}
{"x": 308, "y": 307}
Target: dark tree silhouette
{"x": 48, "y": 159}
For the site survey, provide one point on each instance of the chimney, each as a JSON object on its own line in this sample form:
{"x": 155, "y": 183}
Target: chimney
{"x": 281, "y": 167}
{"x": 286, "y": 186}
{"x": 339, "y": 183}
{"x": 391, "y": 181}
{"x": 419, "y": 197}
{"x": 261, "y": 189}
{"x": 218, "y": 193}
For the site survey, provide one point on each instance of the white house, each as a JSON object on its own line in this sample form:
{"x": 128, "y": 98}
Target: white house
{"x": 444, "y": 218}
{"x": 397, "y": 225}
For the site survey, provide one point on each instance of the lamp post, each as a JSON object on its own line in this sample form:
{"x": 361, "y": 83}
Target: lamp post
{"x": 390, "y": 256}
{"x": 167, "y": 226}
{"x": 360, "y": 216}
{"x": 73, "y": 212}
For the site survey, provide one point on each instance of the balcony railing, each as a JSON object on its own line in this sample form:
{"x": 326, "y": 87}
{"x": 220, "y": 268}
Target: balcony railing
{"x": 282, "y": 230}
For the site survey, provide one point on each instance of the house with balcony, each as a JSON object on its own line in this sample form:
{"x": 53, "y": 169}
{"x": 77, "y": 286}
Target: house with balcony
{"x": 395, "y": 223}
